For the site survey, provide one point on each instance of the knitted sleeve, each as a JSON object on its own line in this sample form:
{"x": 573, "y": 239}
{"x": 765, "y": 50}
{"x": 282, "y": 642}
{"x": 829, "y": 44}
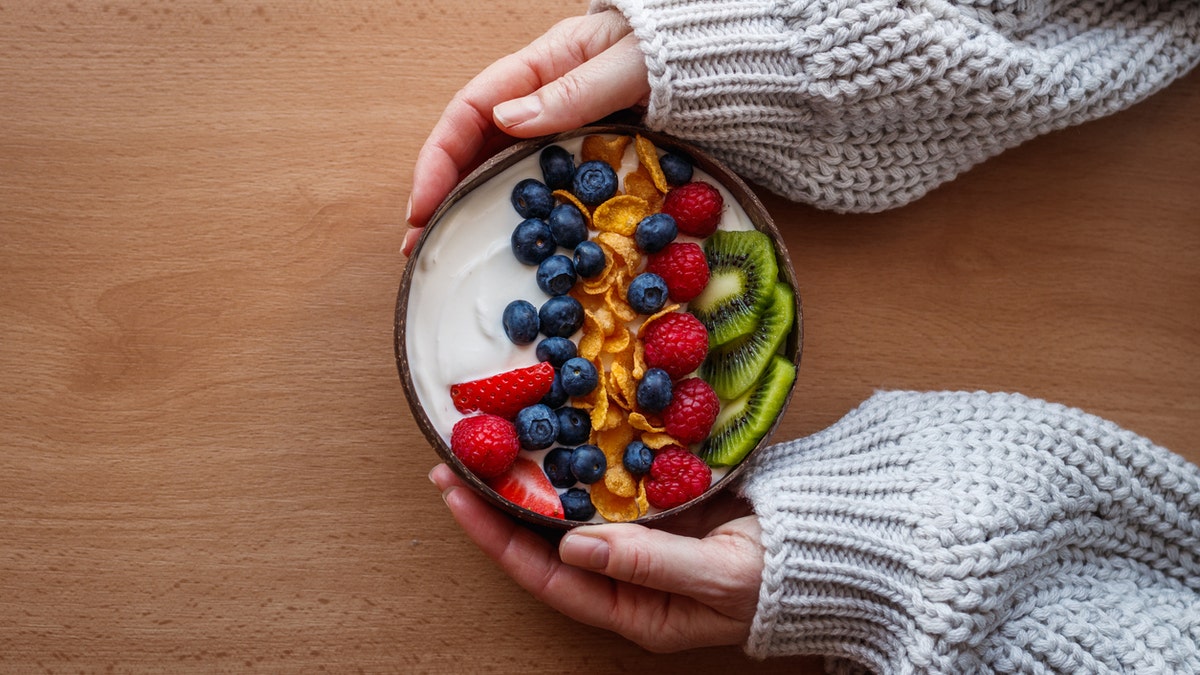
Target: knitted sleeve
{"x": 974, "y": 532}
{"x": 864, "y": 105}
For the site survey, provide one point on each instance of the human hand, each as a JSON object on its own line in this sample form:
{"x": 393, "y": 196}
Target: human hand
{"x": 695, "y": 586}
{"x": 581, "y": 70}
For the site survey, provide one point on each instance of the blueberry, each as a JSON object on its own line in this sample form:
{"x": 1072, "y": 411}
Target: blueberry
{"x": 556, "y": 275}
{"x": 556, "y": 397}
{"x": 594, "y": 182}
{"x": 637, "y": 458}
{"x": 579, "y": 376}
{"x": 558, "y": 167}
{"x": 537, "y": 427}
{"x": 556, "y": 350}
{"x": 589, "y": 259}
{"x": 532, "y": 241}
{"x": 557, "y": 465}
{"x": 588, "y": 463}
{"x": 654, "y": 391}
{"x": 532, "y": 199}
{"x": 677, "y": 168}
{"x": 574, "y": 425}
{"x": 521, "y": 323}
{"x": 577, "y": 504}
{"x": 568, "y": 225}
{"x": 561, "y": 316}
{"x": 655, "y": 231}
{"x": 647, "y": 293}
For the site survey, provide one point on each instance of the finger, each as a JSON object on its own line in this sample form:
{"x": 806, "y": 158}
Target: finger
{"x": 614, "y": 80}
{"x": 466, "y": 125}
{"x": 700, "y": 520}
{"x": 723, "y": 570}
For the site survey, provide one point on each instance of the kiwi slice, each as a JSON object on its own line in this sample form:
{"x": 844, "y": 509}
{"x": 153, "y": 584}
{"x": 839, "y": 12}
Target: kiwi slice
{"x": 735, "y": 366}
{"x": 743, "y": 422}
{"x": 743, "y": 272}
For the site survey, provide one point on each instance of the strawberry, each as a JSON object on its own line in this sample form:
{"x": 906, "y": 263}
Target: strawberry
{"x": 504, "y": 394}
{"x": 677, "y": 343}
{"x": 696, "y": 208}
{"x": 692, "y": 411}
{"x": 526, "y": 485}
{"x": 485, "y": 444}
{"x": 684, "y": 267}
{"x": 676, "y": 477}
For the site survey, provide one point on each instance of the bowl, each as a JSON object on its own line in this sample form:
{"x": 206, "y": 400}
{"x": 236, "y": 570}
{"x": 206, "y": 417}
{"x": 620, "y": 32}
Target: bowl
{"x": 435, "y": 277}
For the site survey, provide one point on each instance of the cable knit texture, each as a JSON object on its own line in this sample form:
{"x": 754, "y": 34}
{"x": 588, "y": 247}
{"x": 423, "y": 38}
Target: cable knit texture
{"x": 975, "y": 532}
{"x": 863, "y": 105}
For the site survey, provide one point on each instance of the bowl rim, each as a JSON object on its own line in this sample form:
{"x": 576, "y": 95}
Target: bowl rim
{"x": 749, "y": 202}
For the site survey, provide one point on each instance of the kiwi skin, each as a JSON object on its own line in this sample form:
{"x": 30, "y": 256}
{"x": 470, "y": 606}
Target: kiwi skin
{"x": 743, "y": 271}
{"x": 743, "y": 422}
{"x": 735, "y": 366}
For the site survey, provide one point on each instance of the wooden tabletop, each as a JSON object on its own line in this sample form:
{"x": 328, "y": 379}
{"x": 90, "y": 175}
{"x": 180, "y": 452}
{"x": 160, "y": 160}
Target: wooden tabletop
{"x": 206, "y": 459}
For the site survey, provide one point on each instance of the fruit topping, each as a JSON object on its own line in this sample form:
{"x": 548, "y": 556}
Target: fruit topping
{"x": 485, "y": 444}
{"x": 568, "y": 225}
{"x": 504, "y": 394}
{"x": 577, "y": 504}
{"x": 574, "y": 425}
{"x": 560, "y": 316}
{"x": 532, "y": 241}
{"x": 637, "y": 458}
{"x": 526, "y": 485}
{"x": 557, "y": 465}
{"x": 520, "y": 321}
{"x": 654, "y": 391}
{"x": 594, "y": 182}
{"x": 555, "y": 350}
{"x": 684, "y": 267}
{"x": 676, "y": 477}
{"x": 735, "y": 366}
{"x": 676, "y": 168}
{"x": 589, "y": 259}
{"x": 696, "y": 208}
{"x": 694, "y": 407}
{"x": 558, "y": 167}
{"x": 655, "y": 231}
{"x": 647, "y": 293}
{"x": 745, "y": 420}
{"x": 742, "y": 278}
{"x": 588, "y": 464}
{"x": 676, "y": 343}
{"x": 537, "y": 427}
{"x": 579, "y": 376}
{"x": 532, "y": 199}
{"x": 556, "y": 275}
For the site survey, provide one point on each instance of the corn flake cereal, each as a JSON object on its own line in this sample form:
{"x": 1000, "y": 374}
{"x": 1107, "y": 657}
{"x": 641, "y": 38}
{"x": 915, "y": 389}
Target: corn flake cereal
{"x": 606, "y": 149}
{"x": 620, "y": 214}
{"x": 639, "y": 184}
{"x": 642, "y": 423}
{"x": 615, "y": 508}
{"x": 655, "y": 317}
{"x": 658, "y": 441}
{"x": 648, "y": 156}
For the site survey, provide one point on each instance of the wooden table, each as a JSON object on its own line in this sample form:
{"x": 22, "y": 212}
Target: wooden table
{"x": 207, "y": 460}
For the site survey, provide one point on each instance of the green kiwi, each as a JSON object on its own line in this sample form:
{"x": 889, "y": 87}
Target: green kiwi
{"x": 743, "y": 422}
{"x": 743, "y": 272}
{"x": 735, "y": 366}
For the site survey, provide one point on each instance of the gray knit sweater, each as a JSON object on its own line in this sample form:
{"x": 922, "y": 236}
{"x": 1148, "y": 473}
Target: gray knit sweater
{"x": 863, "y": 105}
{"x": 975, "y": 532}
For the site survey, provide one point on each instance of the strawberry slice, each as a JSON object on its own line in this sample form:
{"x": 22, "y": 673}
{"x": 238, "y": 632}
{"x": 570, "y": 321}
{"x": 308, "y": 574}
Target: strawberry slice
{"x": 504, "y": 394}
{"x": 526, "y": 485}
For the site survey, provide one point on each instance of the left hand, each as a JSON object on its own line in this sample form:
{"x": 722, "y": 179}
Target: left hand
{"x": 581, "y": 70}
{"x": 695, "y": 586}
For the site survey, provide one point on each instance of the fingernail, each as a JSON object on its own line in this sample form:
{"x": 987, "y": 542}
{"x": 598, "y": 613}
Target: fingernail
{"x": 446, "y": 494}
{"x": 519, "y": 111}
{"x": 408, "y": 211}
{"x": 584, "y": 551}
{"x": 431, "y": 480}
{"x": 410, "y": 240}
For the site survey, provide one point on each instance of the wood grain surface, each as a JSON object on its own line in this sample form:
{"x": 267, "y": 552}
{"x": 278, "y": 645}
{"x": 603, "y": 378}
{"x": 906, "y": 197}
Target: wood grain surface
{"x": 206, "y": 459}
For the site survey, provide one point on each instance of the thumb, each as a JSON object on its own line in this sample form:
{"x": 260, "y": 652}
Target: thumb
{"x": 722, "y": 570}
{"x": 613, "y": 80}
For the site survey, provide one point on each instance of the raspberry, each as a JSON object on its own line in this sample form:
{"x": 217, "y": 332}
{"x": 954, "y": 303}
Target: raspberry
{"x": 693, "y": 409}
{"x": 676, "y": 477}
{"x": 684, "y": 267}
{"x": 486, "y": 444}
{"x": 696, "y": 208}
{"x": 677, "y": 343}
